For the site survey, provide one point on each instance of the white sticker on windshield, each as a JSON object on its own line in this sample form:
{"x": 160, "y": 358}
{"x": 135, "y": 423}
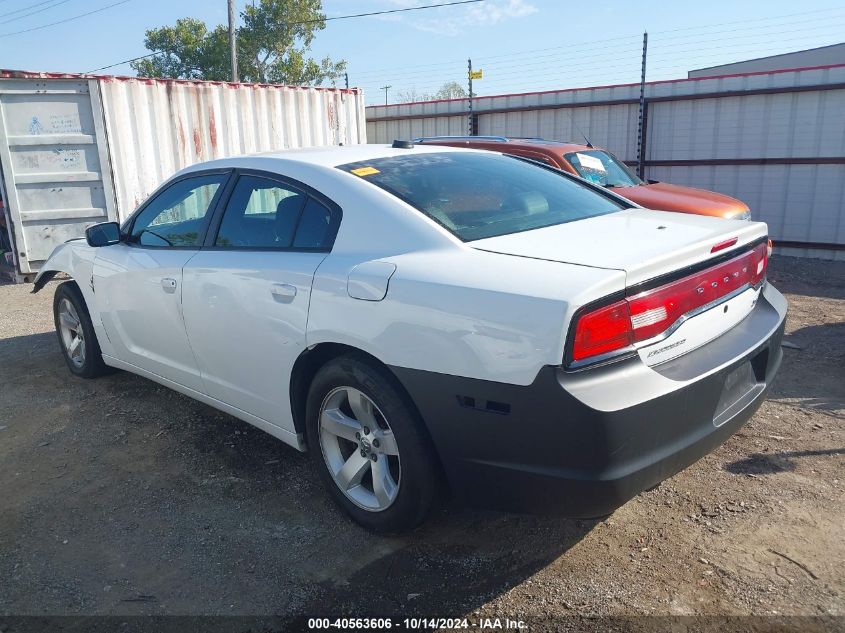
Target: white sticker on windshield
{"x": 590, "y": 162}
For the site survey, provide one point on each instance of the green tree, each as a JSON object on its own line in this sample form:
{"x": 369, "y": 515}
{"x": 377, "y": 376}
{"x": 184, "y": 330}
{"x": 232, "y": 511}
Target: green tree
{"x": 273, "y": 45}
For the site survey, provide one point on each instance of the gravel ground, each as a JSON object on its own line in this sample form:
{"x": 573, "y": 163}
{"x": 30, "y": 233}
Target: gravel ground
{"x": 121, "y": 497}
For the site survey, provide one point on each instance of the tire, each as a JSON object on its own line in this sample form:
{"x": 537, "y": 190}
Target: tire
{"x": 76, "y": 333}
{"x": 409, "y": 477}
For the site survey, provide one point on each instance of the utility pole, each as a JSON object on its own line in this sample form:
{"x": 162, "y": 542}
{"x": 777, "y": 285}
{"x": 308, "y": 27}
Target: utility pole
{"x": 643, "y": 119}
{"x": 346, "y": 80}
{"x": 469, "y": 79}
{"x": 233, "y": 45}
{"x": 385, "y": 88}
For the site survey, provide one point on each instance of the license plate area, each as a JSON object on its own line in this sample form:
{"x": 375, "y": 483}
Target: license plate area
{"x": 742, "y": 384}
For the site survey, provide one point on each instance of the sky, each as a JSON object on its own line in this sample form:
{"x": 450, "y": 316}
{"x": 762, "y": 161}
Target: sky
{"x": 521, "y": 45}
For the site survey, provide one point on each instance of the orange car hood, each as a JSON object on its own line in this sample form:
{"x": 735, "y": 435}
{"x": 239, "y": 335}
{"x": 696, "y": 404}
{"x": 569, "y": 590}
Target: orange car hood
{"x": 665, "y": 197}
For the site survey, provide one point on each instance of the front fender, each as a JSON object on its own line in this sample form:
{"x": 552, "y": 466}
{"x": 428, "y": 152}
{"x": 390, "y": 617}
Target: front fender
{"x": 74, "y": 258}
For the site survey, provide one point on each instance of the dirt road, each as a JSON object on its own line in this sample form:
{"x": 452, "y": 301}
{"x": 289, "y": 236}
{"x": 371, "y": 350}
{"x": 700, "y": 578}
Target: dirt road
{"x": 118, "y": 496}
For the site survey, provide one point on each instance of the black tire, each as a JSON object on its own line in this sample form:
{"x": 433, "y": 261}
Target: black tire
{"x": 92, "y": 366}
{"x": 418, "y": 485}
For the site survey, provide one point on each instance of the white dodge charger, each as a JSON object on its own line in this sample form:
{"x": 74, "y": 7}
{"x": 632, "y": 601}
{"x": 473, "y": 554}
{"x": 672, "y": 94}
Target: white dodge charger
{"x": 429, "y": 321}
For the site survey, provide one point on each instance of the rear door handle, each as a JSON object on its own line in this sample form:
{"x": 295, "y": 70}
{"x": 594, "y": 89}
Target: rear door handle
{"x": 169, "y": 284}
{"x": 283, "y": 292}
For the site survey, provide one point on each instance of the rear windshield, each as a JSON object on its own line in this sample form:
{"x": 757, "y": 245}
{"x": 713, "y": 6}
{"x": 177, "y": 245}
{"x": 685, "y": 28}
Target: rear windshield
{"x": 602, "y": 168}
{"x": 478, "y": 195}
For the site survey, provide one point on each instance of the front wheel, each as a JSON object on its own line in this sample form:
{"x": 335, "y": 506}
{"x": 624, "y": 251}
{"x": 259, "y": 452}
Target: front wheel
{"x": 76, "y": 333}
{"x": 369, "y": 446}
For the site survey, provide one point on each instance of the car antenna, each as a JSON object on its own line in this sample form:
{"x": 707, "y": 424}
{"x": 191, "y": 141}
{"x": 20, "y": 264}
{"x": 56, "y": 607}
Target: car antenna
{"x": 580, "y": 131}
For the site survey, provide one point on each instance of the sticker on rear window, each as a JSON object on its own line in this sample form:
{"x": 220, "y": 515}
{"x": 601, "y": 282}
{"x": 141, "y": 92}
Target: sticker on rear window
{"x": 365, "y": 171}
{"x": 590, "y": 162}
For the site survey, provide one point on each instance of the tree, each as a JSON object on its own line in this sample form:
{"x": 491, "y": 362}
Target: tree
{"x": 412, "y": 95}
{"x": 273, "y": 43}
{"x": 450, "y": 90}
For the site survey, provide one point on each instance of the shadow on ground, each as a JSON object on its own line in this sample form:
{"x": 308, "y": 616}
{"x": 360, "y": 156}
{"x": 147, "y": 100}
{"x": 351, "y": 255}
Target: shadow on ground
{"x": 817, "y": 368}
{"x": 123, "y": 497}
{"x": 770, "y": 463}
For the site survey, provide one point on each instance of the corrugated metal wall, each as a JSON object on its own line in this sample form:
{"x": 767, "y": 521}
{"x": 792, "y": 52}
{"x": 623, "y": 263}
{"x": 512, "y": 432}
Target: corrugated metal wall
{"x": 775, "y": 140}
{"x": 155, "y": 128}
{"x": 606, "y": 126}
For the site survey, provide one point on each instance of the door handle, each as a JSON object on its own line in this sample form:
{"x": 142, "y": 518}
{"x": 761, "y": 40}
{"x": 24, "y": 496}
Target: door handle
{"x": 283, "y": 292}
{"x": 169, "y": 284}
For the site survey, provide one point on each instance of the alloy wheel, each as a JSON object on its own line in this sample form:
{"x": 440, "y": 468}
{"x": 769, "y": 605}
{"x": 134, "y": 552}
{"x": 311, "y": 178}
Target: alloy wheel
{"x": 73, "y": 336}
{"x": 359, "y": 449}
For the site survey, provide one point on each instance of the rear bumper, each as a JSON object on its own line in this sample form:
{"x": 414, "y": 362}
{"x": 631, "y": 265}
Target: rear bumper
{"x": 582, "y": 444}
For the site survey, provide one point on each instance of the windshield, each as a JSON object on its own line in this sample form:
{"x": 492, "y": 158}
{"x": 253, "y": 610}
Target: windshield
{"x": 602, "y": 168}
{"x": 479, "y": 194}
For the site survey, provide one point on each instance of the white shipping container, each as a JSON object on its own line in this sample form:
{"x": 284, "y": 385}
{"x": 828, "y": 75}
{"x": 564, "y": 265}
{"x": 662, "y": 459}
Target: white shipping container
{"x": 77, "y": 150}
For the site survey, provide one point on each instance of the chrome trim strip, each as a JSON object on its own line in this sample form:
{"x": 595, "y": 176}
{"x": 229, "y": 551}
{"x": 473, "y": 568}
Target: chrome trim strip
{"x": 692, "y": 313}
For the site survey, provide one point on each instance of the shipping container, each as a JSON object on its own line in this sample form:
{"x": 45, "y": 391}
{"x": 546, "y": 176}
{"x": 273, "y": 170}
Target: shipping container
{"x": 76, "y": 150}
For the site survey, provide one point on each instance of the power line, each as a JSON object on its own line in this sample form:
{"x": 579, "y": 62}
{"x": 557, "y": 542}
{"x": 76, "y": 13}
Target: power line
{"x": 635, "y": 38}
{"x": 366, "y": 15}
{"x": 570, "y": 45}
{"x": 26, "y": 15}
{"x": 21, "y": 10}
{"x": 495, "y": 70}
{"x": 70, "y": 19}
{"x": 337, "y": 17}
{"x": 431, "y": 78}
{"x": 773, "y": 17}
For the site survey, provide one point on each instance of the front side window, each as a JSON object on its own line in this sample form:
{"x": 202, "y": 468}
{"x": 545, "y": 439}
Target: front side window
{"x": 261, "y": 213}
{"x": 178, "y": 215}
{"x": 602, "y": 168}
{"x": 479, "y": 195}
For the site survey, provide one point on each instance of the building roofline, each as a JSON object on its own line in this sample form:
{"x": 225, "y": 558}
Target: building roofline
{"x": 757, "y": 59}
{"x": 627, "y": 85}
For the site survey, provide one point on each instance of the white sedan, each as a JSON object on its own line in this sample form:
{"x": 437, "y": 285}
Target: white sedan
{"x": 427, "y": 321}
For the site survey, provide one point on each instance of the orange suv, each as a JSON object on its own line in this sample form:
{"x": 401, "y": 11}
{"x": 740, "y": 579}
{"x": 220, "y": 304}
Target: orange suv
{"x": 603, "y": 168}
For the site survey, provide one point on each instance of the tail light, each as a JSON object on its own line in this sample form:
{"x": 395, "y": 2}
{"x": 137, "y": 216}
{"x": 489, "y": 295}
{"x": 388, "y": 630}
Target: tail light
{"x": 643, "y": 316}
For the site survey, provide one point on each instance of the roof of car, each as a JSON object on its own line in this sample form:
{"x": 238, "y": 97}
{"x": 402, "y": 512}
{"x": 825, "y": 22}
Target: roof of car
{"x": 321, "y": 157}
{"x": 333, "y": 156}
{"x": 489, "y": 141}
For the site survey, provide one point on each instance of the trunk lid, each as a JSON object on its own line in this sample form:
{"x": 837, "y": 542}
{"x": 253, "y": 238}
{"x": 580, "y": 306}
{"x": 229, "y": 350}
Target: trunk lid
{"x": 644, "y": 244}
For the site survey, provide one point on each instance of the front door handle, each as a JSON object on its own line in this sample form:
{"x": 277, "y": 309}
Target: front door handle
{"x": 169, "y": 284}
{"x": 283, "y": 292}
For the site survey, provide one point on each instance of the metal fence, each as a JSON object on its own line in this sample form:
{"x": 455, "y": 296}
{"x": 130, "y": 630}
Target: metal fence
{"x": 775, "y": 140}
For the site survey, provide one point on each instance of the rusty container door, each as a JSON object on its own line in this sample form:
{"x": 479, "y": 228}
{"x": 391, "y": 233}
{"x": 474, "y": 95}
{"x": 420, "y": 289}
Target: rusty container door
{"x": 56, "y": 179}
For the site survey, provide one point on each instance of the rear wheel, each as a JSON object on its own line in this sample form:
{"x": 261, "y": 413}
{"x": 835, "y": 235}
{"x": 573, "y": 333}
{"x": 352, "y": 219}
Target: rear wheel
{"x": 76, "y": 333}
{"x": 370, "y": 448}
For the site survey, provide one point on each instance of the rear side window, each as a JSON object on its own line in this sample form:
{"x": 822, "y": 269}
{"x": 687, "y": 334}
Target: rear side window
{"x": 266, "y": 213}
{"x": 314, "y": 226}
{"x": 479, "y": 195}
{"x": 261, "y": 213}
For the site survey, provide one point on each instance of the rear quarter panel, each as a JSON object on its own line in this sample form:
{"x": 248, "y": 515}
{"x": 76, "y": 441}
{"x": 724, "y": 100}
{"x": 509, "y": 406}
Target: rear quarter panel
{"x": 459, "y": 311}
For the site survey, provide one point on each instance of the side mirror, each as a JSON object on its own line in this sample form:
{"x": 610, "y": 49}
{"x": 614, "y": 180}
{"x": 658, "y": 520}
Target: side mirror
{"x": 103, "y": 234}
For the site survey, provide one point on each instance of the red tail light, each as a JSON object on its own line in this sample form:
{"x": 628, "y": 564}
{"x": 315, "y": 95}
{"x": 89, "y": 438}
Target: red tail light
{"x": 650, "y": 313}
